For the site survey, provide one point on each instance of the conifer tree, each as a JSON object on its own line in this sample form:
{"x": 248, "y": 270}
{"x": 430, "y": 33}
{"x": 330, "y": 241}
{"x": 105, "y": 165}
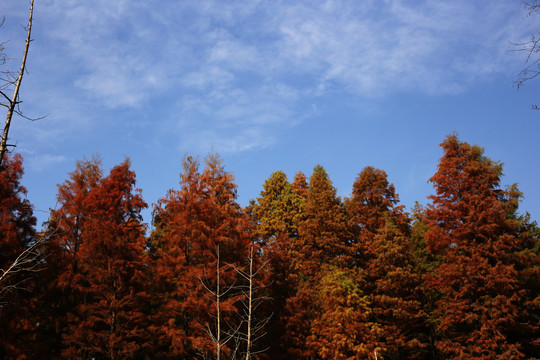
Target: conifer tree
{"x": 16, "y": 235}
{"x": 276, "y": 216}
{"x": 396, "y": 292}
{"x": 383, "y": 254}
{"x": 374, "y": 201}
{"x": 342, "y": 328}
{"x": 322, "y": 241}
{"x": 108, "y": 320}
{"x": 57, "y": 295}
{"x": 323, "y": 232}
{"x": 300, "y": 184}
{"x": 278, "y": 210}
{"x": 190, "y": 224}
{"x": 485, "y": 308}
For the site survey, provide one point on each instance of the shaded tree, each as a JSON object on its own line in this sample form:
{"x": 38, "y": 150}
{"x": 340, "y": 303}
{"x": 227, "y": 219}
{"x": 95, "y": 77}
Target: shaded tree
{"x": 276, "y": 215}
{"x": 18, "y": 256}
{"x": 342, "y": 328}
{"x": 56, "y": 296}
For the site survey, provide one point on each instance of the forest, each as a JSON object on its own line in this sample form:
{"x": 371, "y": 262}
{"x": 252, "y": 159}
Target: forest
{"x": 300, "y": 273}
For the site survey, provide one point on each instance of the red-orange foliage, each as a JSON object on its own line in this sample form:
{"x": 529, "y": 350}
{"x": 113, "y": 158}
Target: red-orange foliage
{"x": 190, "y": 223}
{"x": 94, "y": 295}
{"x": 382, "y": 249}
{"x": 16, "y": 233}
{"x": 484, "y": 309}
{"x": 16, "y": 217}
{"x": 373, "y": 202}
{"x": 57, "y": 294}
{"x": 322, "y": 241}
{"x": 107, "y": 320}
{"x": 300, "y": 184}
{"x": 323, "y": 233}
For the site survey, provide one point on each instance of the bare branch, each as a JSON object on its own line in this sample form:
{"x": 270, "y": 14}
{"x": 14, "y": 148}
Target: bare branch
{"x": 13, "y": 101}
{"x": 30, "y": 260}
{"x": 531, "y": 47}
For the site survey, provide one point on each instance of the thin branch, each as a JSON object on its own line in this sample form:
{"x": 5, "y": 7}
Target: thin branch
{"x": 27, "y": 261}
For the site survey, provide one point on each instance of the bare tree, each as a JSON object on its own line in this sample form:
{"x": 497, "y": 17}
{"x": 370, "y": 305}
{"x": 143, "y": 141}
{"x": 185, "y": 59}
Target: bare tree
{"x": 531, "y": 47}
{"x": 219, "y": 335}
{"x": 30, "y": 260}
{"x": 12, "y": 81}
{"x": 249, "y": 328}
{"x": 254, "y": 328}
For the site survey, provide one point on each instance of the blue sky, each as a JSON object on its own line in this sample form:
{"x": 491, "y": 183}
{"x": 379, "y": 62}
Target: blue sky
{"x": 272, "y": 85}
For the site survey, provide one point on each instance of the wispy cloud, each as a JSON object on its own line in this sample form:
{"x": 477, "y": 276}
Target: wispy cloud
{"x": 234, "y": 71}
{"x": 43, "y": 162}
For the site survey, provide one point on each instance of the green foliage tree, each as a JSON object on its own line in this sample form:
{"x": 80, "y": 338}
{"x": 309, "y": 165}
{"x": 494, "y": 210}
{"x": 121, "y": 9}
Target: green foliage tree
{"x": 276, "y": 215}
{"x": 342, "y": 328}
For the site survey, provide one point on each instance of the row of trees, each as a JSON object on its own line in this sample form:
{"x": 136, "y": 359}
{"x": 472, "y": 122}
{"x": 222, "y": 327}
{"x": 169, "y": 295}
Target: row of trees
{"x": 297, "y": 274}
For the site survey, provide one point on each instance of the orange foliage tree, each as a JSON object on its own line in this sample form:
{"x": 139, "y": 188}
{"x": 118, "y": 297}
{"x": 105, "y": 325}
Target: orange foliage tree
{"x": 383, "y": 255}
{"x": 190, "y": 223}
{"x": 485, "y": 310}
{"x": 95, "y": 281}
{"x": 322, "y": 240}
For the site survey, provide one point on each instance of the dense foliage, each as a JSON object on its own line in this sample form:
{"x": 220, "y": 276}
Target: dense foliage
{"x": 300, "y": 273}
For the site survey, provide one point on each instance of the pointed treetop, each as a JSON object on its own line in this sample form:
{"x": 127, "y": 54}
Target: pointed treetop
{"x": 300, "y": 184}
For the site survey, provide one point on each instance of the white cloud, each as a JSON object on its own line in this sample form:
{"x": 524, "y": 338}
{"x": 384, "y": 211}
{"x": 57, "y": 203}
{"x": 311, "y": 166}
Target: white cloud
{"x": 252, "y": 66}
{"x": 42, "y": 162}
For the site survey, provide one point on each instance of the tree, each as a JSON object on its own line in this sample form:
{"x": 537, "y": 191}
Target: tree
{"x": 323, "y": 232}
{"x": 19, "y": 250}
{"x": 276, "y": 216}
{"x": 373, "y": 203}
{"x": 222, "y": 302}
{"x": 254, "y": 321}
{"x": 395, "y": 291}
{"x": 190, "y": 223}
{"x": 278, "y": 210}
{"x": 485, "y": 307}
{"x": 20, "y": 254}
{"x": 108, "y": 321}
{"x": 55, "y": 294}
{"x": 383, "y": 254}
{"x": 300, "y": 184}
{"x": 322, "y": 241}
{"x": 13, "y": 81}
{"x": 342, "y": 329}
